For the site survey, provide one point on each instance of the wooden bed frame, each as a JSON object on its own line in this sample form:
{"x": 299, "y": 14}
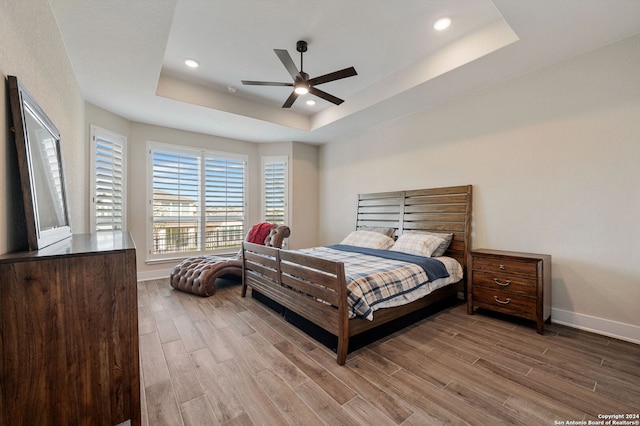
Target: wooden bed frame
{"x": 298, "y": 282}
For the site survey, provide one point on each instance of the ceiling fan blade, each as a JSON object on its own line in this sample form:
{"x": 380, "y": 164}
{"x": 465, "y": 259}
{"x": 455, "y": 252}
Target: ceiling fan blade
{"x": 264, "y": 83}
{"x": 286, "y": 60}
{"x": 324, "y": 95}
{"x": 337, "y": 75}
{"x": 290, "y": 100}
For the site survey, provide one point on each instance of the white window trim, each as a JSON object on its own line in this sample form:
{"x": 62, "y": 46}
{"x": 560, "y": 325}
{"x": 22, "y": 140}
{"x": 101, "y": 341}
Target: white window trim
{"x": 151, "y": 145}
{"x": 99, "y": 132}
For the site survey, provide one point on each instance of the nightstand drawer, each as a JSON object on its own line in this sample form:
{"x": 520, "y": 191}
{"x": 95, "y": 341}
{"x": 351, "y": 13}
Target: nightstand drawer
{"x": 506, "y": 282}
{"x": 510, "y": 303}
{"x": 509, "y": 266}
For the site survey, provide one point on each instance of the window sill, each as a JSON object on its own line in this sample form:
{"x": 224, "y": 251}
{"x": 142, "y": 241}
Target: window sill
{"x": 180, "y": 259}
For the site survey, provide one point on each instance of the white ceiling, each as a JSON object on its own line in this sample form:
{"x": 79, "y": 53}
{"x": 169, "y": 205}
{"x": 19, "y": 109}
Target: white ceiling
{"x": 128, "y": 56}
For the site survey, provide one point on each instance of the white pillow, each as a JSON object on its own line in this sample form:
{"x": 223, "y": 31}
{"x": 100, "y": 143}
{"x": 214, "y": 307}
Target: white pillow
{"x": 368, "y": 239}
{"x": 418, "y": 244}
{"x": 446, "y": 241}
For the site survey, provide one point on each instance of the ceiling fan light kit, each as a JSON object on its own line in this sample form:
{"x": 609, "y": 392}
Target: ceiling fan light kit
{"x": 301, "y": 88}
{"x": 302, "y": 84}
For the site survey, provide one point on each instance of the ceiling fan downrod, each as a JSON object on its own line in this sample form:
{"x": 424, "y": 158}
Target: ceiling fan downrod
{"x": 301, "y": 46}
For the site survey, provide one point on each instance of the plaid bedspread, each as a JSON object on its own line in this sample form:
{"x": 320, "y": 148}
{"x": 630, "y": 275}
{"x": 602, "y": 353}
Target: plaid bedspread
{"x": 372, "y": 279}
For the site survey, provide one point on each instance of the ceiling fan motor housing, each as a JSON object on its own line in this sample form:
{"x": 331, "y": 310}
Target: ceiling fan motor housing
{"x": 301, "y": 46}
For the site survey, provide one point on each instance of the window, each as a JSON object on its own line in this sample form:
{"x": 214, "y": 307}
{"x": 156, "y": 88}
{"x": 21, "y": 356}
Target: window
{"x": 197, "y": 201}
{"x": 274, "y": 189}
{"x": 108, "y": 152}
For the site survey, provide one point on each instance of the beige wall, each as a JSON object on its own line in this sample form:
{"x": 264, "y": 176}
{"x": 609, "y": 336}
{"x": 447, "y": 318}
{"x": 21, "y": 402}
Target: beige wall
{"x": 106, "y": 120}
{"x": 553, "y": 157}
{"x": 304, "y": 195}
{"x": 31, "y": 48}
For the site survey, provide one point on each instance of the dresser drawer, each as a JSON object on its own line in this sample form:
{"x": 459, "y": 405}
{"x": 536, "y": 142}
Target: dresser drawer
{"x": 506, "y": 302}
{"x": 506, "y": 282}
{"x": 504, "y": 265}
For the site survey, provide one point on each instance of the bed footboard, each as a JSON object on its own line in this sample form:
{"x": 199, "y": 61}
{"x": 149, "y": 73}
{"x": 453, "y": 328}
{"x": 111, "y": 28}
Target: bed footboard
{"x": 311, "y": 287}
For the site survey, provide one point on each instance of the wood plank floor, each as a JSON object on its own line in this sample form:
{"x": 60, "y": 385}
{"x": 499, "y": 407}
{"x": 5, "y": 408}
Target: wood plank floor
{"x": 231, "y": 361}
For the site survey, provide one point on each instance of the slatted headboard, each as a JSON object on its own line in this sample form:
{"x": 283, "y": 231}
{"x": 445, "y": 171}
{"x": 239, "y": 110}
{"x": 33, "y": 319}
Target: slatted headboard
{"x": 444, "y": 210}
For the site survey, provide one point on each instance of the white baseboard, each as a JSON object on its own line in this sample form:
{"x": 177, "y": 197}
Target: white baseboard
{"x": 618, "y": 330}
{"x": 156, "y": 274}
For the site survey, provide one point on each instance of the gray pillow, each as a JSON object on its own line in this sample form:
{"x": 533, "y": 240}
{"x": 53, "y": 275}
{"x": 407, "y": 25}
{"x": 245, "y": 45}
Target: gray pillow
{"x": 384, "y": 231}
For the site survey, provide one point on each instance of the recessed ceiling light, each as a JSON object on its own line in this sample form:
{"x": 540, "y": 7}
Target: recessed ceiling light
{"x": 191, "y": 63}
{"x": 311, "y": 102}
{"x": 442, "y": 24}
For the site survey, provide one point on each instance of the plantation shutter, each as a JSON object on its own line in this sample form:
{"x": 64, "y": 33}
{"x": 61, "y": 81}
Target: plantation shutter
{"x": 275, "y": 189}
{"x": 197, "y": 201}
{"x": 224, "y": 195}
{"x": 175, "y": 201}
{"x": 108, "y": 185}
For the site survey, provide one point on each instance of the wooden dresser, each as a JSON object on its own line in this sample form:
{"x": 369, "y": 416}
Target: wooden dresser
{"x": 510, "y": 282}
{"x": 69, "y": 333}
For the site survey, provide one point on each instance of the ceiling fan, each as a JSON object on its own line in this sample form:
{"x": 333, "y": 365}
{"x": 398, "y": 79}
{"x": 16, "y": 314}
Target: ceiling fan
{"x": 302, "y": 84}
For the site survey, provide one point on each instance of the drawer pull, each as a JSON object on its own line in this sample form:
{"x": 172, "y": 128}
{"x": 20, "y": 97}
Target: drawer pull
{"x": 502, "y": 302}
{"x": 501, "y": 267}
{"x": 504, "y": 284}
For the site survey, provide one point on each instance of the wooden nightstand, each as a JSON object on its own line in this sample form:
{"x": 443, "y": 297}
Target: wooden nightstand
{"x": 510, "y": 282}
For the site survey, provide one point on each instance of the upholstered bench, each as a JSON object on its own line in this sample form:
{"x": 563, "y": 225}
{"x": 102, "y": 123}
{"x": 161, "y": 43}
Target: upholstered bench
{"x": 198, "y": 274}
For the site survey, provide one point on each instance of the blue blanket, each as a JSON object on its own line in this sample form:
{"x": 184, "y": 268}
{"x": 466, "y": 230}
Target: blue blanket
{"x": 433, "y": 267}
